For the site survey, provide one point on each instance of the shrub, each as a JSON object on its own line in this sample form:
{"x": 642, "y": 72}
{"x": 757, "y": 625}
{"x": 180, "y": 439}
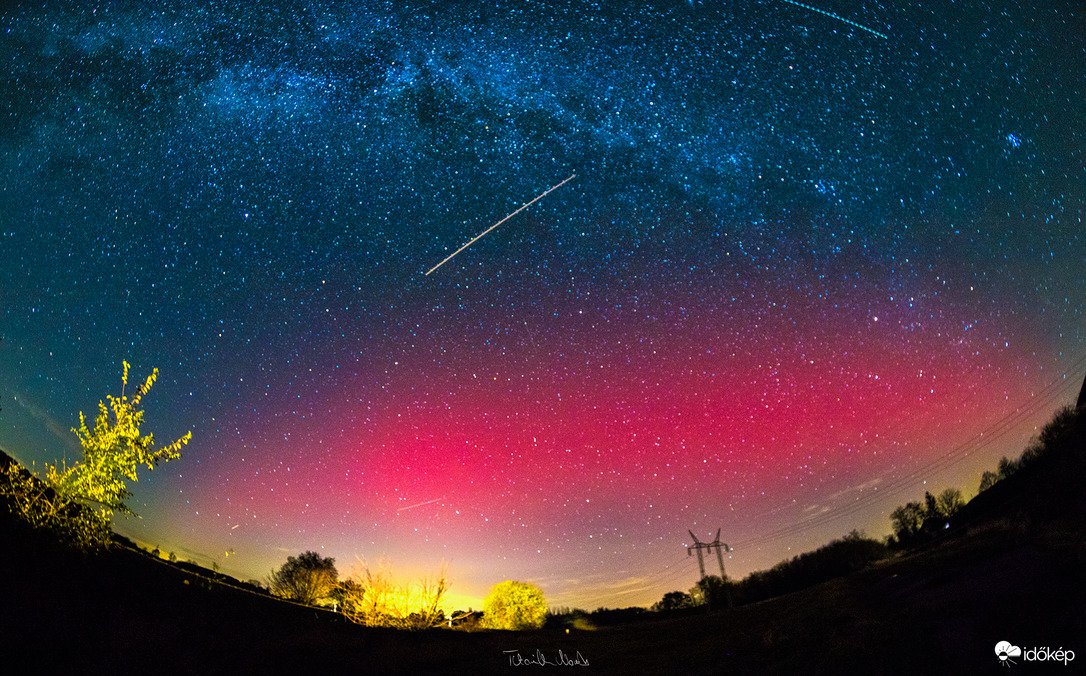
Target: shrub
{"x": 514, "y": 605}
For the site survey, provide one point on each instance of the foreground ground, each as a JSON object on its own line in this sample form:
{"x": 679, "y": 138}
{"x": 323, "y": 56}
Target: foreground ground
{"x": 937, "y": 611}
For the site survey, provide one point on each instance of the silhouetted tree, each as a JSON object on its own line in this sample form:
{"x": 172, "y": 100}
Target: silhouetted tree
{"x": 307, "y": 578}
{"x": 673, "y": 601}
{"x": 347, "y": 592}
{"x": 932, "y": 508}
{"x": 907, "y": 520}
{"x": 950, "y": 501}
{"x": 1060, "y": 432}
{"x": 914, "y": 522}
{"x": 1065, "y": 430}
{"x": 1004, "y": 469}
{"x": 1007, "y": 467}
{"x": 711, "y": 590}
{"x": 514, "y": 605}
{"x": 987, "y": 480}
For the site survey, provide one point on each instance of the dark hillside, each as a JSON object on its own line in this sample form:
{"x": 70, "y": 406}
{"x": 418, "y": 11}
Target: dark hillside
{"x": 939, "y": 611}
{"x": 1049, "y": 489}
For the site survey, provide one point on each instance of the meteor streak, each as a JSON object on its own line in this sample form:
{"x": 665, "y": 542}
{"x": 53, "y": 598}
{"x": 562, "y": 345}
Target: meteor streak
{"x": 480, "y": 235}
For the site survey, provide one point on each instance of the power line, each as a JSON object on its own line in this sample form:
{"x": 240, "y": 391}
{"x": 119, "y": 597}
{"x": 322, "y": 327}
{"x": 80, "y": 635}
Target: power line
{"x": 1051, "y": 392}
{"x": 1001, "y": 427}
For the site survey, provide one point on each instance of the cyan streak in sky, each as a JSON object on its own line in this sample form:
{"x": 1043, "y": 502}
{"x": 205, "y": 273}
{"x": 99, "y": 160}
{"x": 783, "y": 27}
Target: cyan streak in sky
{"x": 839, "y": 18}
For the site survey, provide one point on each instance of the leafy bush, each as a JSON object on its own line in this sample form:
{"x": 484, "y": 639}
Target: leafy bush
{"x": 514, "y": 605}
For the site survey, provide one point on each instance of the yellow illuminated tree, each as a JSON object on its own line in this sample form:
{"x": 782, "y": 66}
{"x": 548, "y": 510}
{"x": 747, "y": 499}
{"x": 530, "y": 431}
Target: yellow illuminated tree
{"x": 514, "y": 605}
{"x": 375, "y": 600}
{"x": 78, "y": 501}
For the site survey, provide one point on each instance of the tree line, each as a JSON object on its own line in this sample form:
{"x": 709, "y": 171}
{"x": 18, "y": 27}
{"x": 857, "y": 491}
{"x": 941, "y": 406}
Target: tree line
{"x": 373, "y": 598}
{"x": 913, "y": 524}
{"x": 851, "y": 553}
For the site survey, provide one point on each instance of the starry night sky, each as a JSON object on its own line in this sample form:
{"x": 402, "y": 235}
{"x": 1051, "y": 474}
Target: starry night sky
{"x": 802, "y": 270}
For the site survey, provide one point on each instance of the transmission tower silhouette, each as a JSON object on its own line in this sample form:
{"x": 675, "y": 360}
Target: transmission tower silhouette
{"x": 715, "y": 544}
{"x": 720, "y": 547}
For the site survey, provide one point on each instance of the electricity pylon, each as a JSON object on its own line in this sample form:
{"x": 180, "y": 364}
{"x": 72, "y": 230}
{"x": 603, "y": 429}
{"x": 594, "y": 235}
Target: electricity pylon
{"x": 719, "y": 547}
{"x": 715, "y": 544}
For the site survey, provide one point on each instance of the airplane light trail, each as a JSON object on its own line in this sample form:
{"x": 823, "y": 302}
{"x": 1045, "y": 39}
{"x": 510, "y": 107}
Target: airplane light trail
{"x": 839, "y": 18}
{"x": 419, "y": 504}
{"x": 480, "y": 235}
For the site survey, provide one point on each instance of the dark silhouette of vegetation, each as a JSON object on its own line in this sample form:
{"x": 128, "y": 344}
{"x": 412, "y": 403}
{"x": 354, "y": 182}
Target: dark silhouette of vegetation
{"x": 1054, "y": 460}
{"x": 945, "y": 505}
{"x": 849, "y": 554}
{"x": 1062, "y": 433}
{"x": 609, "y": 617}
{"x": 675, "y": 600}
{"x": 514, "y": 605}
{"x": 308, "y": 578}
{"x": 584, "y": 620}
{"x": 914, "y": 522}
{"x": 77, "y": 502}
{"x": 713, "y": 591}
{"x": 568, "y": 618}
{"x": 906, "y": 521}
{"x": 466, "y": 620}
{"x": 1045, "y": 482}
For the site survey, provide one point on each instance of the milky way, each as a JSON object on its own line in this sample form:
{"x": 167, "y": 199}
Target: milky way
{"x": 809, "y": 268}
